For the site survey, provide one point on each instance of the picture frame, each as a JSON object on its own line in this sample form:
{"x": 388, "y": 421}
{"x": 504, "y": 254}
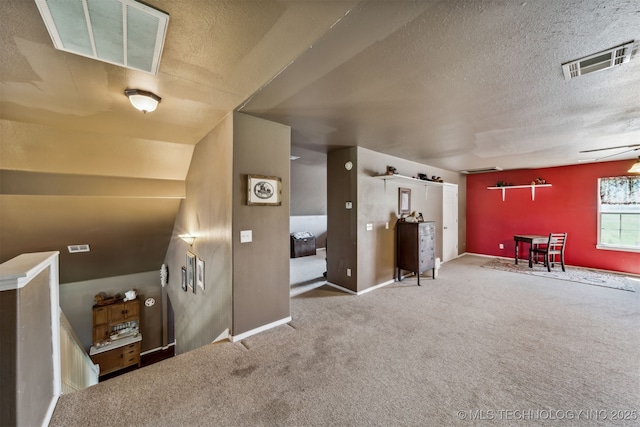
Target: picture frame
{"x": 184, "y": 279}
{"x": 264, "y": 190}
{"x": 191, "y": 271}
{"x": 200, "y": 273}
{"x": 404, "y": 201}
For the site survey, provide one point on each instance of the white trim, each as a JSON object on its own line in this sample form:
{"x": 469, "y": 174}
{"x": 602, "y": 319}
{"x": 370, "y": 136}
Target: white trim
{"x": 18, "y": 271}
{"x": 223, "y": 336}
{"x": 236, "y": 338}
{"x": 52, "y": 407}
{"x": 618, "y": 248}
{"x": 388, "y": 282}
{"x": 349, "y": 291}
{"x": 153, "y": 350}
{"x": 340, "y": 288}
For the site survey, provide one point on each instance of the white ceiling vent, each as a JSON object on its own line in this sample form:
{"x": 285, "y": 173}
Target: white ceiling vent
{"x": 598, "y": 61}
{"x": 121, "y": 32}
{"x": 74, "y": 249}
{"x": 482, "y": 170}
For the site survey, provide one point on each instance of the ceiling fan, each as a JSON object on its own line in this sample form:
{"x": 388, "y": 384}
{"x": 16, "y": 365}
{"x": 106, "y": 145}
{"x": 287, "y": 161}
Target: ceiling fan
{"x": 631, "y": 147}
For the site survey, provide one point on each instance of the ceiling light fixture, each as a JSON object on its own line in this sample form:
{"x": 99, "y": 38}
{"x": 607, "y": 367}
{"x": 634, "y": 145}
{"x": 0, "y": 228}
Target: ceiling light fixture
{"x": 143, "y": 100}
{"x": 635, "y": 168}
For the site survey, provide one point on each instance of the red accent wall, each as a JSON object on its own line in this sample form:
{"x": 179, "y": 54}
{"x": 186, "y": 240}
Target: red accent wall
{"x": 570, "y": 205}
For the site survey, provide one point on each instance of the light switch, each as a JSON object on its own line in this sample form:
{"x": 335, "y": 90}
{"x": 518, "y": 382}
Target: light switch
{"x": 369, "y": 227}
{"x": 348, "y": 205}
{"x": 246, "y": 236}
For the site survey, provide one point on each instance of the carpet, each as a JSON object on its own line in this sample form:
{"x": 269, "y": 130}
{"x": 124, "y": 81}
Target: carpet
{"x": 578, "y": 275}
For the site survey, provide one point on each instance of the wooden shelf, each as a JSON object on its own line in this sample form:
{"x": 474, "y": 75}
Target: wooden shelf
{"x": 408, "y": 179}
{"x": 509, "y": 187}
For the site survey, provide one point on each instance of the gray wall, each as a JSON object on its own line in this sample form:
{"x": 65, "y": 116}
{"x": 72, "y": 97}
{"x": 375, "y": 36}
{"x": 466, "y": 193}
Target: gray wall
{"x": 26, "y": 353}
{"x": 261, "y": 267}
{"x": 342, "y": 237}
{"x": 206, "y": 213}
{"x": 76, "y": 301}
{"x": 8, "y": 357}
{"x": 377, "y": 204}
{"x": 246, "y": 285}
{"x": 309, "y": 194}
{"x": 309, "y": 185}
{"x": 315, "y": 224}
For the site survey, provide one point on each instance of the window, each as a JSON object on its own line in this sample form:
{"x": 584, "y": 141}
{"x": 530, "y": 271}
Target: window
{"x": 619, "y": 213}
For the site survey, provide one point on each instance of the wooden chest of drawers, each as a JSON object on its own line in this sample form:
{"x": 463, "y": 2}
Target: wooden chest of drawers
{"x": 415, "y": 248}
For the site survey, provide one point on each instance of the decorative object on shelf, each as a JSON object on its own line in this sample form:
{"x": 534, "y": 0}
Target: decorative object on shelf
{"x": 538, "y": 181}
{"x": 102, "y": 299}
{"x": 264, "y": 190}
{"x": 391, "y": 170}
{"x": 436, "y": 178}
{"x": 130, "y": 295}
{"x": 184, "y": 279}
{"x": 404, "y": 201}
{"x": 419, "y": 217}
{"x": 200, "y": 273}
{"x": 635, "y": 168}
{"x": 191, "y": 271}
{"x": 423, "y": 177}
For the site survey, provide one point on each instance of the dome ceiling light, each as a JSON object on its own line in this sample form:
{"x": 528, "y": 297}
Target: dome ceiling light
{"x": 143, "y": 100}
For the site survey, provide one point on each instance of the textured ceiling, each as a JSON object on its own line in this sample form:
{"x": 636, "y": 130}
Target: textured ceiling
{"x": 454, "y": 84}
{"x": 464, "y": 84}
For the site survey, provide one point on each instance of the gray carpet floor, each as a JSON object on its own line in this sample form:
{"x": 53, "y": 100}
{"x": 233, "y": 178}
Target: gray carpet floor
{"x": 474, "y": 347}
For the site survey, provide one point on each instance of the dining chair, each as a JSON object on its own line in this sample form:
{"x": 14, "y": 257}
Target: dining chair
{"x": 553, "y": 250}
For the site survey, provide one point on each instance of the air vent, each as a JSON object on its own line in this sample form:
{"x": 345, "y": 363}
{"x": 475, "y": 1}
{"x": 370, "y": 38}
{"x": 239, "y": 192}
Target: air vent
{"x": 121, "y": 32}
{"x": 481, "y": 170}
{"x": 598, "y": 61}
{"x": 74, "y": 249}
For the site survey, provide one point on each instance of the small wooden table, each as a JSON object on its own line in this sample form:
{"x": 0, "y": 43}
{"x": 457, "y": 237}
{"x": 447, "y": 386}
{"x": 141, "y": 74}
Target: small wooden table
{"x": 531, "y": 239}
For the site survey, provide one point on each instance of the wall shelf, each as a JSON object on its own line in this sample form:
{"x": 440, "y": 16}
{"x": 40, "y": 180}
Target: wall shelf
{"x": 509, "y": 187}
{"x": 408, "y": 179}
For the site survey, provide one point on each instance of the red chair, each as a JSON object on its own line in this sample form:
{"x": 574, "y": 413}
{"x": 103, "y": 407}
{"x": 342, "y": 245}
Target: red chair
{"x": 550, "y": 253}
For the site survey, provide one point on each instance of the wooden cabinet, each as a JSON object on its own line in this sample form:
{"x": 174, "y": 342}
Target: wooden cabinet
{"x": 108, "y": 317}
{"x": 415, "y": 248}
{"x": 108, "y": 320}
{"x": 117, "y": 358}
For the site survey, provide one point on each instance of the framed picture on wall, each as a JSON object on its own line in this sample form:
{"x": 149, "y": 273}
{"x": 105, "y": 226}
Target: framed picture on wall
{"x": 404, "y": 201}
{"x": 264, "y": 190}
{"x": 184, "y": 279}
{"x": 200, "y": 273}
{"x": 191, "y": 271}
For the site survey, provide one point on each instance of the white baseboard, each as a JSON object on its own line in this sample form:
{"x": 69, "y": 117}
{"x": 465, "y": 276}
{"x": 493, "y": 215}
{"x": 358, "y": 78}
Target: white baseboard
{"x": 225, "y": 335}
{"x": 236, "y": 338}
{"x": 153, "y": 350}
{"x": 349, "y": 291}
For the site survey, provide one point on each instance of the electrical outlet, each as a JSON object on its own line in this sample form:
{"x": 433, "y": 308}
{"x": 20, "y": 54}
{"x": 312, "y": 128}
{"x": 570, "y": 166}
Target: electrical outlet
{"x": 370, "y": 227}
{"x": 386, "y": 225}
{"x": 348, "y": 272}
{"x": 348, "y": 205}
{"x": 501, "y": 246}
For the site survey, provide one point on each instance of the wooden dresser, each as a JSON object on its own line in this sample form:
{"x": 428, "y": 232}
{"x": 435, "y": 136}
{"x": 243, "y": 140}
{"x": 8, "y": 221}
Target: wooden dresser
{"x": 116, "y": 335}
{"x": 415, "y": 248}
